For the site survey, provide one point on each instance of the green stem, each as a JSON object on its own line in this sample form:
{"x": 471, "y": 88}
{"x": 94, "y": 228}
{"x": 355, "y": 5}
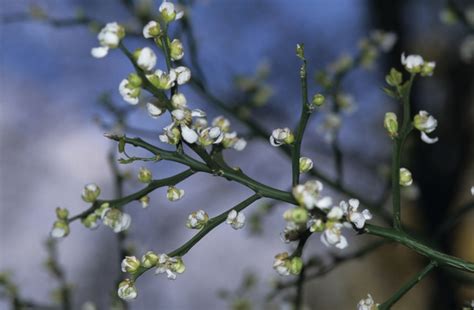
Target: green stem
{"x": 407, "y": 286}
{"x": 211, "y": 224}
{"x": 434, "y": 255}
{"x": 305, "y": 114}
{"x": 396, "y": 154}
{"x": 231, "y": 174}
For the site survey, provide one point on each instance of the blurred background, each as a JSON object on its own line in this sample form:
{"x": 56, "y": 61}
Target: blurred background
{"x": 52, "y": 144}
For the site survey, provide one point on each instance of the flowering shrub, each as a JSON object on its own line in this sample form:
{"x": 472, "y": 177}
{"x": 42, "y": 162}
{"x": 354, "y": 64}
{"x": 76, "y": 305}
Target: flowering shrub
{"x": 309, "y": 210}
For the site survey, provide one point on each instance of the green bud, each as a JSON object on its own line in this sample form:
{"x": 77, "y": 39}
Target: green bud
{"x": 134, "y": 80}
{"x": 405, "y": 177}
{"x": 149, "y": 259}
{"x": 306, "y": 164}
{"x": 394, "y": 78}
{"x": 299, "y": 215}
{"x": 60, "y": 229}
{"x": 176, "y": 49}
{"x": 318, "y": 100}
{"x": 90, "y": 221}
{"x": 179, "y": 266}
{"x": 144, "y": 175}
{"x": 62, "y": 213}
{"x": 290, "y": 138}
{"x": 317, "y": 226}
{"x": 130, "y": 264}
{"x": 296, "y": 265}
{"x": 391, "y": 124}
{"x": 300, "y": 51}
{"x": 145, "y": 201}
{"x": 90, "y": 192}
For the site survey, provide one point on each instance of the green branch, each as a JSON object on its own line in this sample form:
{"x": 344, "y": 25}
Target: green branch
{"x": 211, "y": 224}
{"x": 440, "y": 258}
{"x": 119, "y": 202}
{"x": 407, "y": 287}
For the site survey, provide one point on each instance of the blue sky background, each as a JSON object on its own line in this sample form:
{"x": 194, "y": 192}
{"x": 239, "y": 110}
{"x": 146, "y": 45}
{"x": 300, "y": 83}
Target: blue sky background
{"x": 51, "y": 147}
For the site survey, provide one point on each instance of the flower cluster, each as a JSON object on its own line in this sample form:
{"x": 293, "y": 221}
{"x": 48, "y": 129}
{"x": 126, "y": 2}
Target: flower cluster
{"x": 317, "y": 213}
{"x": 109, "y": 37}
{"x": 162, "y": 262}
{"x": 416, "y": 64}
{"x": 197, "y": 220}
{"x": 285, "y": 265}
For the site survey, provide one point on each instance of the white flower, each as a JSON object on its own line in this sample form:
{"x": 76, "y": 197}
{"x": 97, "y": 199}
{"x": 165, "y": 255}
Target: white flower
{"x": 130, "y": 264}
{"x": 210, "y": 135}
{"x": 412, "y": 63}
{"x": 188, "y": 134}
{"x": 178, "y": 101}
{"x": 281, "y": 136}
{"x": 183, "y": 74}
{"x": 151, "y": 30}
{"x": 355, "y": 217}
{"x": 240, "y": 144}
{"x": 335, "y": 214}
{"x": 169, "y": 13}
{"x": 221, "y": 122}
{"x": 90, "y": 192}
{"x": 174, "y": 194}
{"x": 425, "y": 123}
{"x": 230, "y": 140}
{"x": 308, "y": 195}
{"x": 146, "y": 58}
{"x": 109, "y": 37}
{"x": 127, "y": 290}
{"x": 129, "y": 93}
{"x": 367, "y": 304}
{"x": 153, "y": 110}
{"x": 116, "y": 219}
{"x": 291, "y": 232}
{"x": 282, "y": 264}
{"x": 171, "y": 134}
{"x": 197, "y": 220}
{"x": 145, "y": 201}
{"x": 306, "y": 164}
{"x": 332, "y": 236}
{"x": 169, "y": 265}
{"x": 235, "y": 219}
{"x": 60, "y": 229}
{"x": 472, "y": 190}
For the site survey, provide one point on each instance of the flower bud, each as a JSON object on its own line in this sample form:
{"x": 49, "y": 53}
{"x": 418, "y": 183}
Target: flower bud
{"x": 300, "y": 51}
{"x": 174, "y": 194}
{"x": 197, "y": 220}
{"x": 145, "y": 58}
{"x": 405, "y": 177}
{"x": 149, "y": 259}
{"x": 60, "y": 229}
{"x": 62, "y": 213}
{"x": 90, "y": 221}
{"x": 391, "y": 124}
{"x": 134, "y": 80}
{"x": 394, "y": 78}
{"x": 306, "y": 164}
{"x": 296, "y": 265}
{"x": 299, "y": 215}
{"x": 151, "y": 30}
{"x": 178, "y": 101}
{"x": 428, "y": 68}
{"x": 318, "y": 100}
{"x": 145, "y": 201}
{"x": 144, "y": 175}
{"x": 90, "y": 192}
{"x": 130, "y": 264}
{"x": 178, "y": 266}
{"x": 281, "y": 136}
{"x": 168, "y": 12}
{"x": 127, "y": 290}
{"x": 176, "y": 50}
{"x": 317, "y": 226}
